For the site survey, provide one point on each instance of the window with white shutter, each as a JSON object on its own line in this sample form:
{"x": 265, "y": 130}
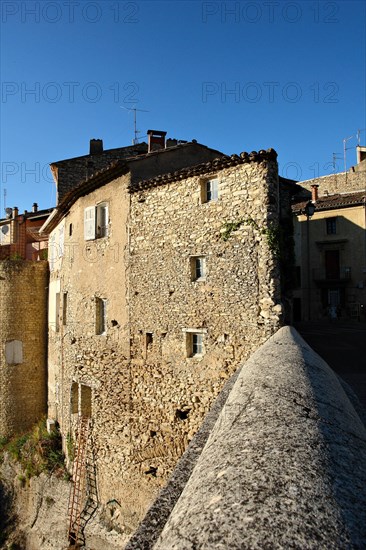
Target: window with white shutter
{"x": 89, "y": 223}
{"x": 61, "y": 240}
{"x": 96, "y": 221}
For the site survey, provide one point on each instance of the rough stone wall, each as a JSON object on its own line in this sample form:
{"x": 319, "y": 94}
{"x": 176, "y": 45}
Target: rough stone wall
{"x": 23, "y": 344}
{"x": 81, "y": 361}
{"x": 237, "y": 305}
{"x": 283, "y": 467}
{"x": 147, "y": 399}
{"x": 344, "y": 182}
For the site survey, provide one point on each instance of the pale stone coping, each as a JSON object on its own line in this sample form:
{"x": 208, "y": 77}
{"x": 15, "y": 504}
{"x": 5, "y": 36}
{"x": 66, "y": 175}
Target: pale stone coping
{"x": 284, "y": 464}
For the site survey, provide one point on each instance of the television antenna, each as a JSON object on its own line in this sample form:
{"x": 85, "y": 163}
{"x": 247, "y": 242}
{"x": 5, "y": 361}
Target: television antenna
{"x": 136, "y": 131}
{"x": 345, "y": 151}
{"x": 335, "y": 157}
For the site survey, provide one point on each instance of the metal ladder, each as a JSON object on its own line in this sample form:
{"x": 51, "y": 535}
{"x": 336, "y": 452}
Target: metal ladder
{"x": 78, "y": 488}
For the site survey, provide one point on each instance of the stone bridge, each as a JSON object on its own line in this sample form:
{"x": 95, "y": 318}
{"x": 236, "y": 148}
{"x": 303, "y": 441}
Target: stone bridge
{"x": 280, "y": 462}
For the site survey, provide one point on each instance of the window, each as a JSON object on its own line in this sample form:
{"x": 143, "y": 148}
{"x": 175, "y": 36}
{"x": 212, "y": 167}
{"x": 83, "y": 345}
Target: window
{"x": 64, "y": 308}
{"x": 297, "y": 276}
{"x": 96, "y": 221}
{"x": 57, "y": 312}
{"x": 195, "y": 342}
{"x": 81, "y": 399}
{"x": 209, "y": 190}
{"x": 61, "y": 240}
{"x": 331, "y": 226}
{"x": 85, "y": 400}
{"x": 52, "y": 251}
{"x": 101, "y": 316}
{"x": 74, "y": 398}
{"x": 14, "y": 352}
{"x": 148, "y": 343}
{"x": 198, "y": 268}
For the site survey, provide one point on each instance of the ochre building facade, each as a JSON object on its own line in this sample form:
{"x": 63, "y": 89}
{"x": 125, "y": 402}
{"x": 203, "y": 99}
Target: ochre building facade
{"x": 23, "y": 344}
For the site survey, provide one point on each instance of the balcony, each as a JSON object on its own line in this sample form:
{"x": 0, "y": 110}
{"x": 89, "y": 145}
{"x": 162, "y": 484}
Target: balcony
{"x": 340, "y": 274}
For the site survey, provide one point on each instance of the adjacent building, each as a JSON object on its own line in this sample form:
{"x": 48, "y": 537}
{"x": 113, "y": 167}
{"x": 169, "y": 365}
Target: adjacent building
{"x": 23, "y": 320}
{"x": 19, "y": 234}
{"x": 330, "y": 246}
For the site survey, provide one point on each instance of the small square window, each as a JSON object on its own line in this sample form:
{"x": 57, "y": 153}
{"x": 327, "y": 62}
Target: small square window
{"x": 331, "y": 226}
{"x": 209, "y": 190}
{"x": 101, "y": 316}
{"x": 198, "y": 268}
{"x": 194, "y": 344}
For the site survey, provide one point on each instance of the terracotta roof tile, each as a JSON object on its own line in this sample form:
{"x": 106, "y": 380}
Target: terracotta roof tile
{"x": 330, "y": 202}
{"x": 204, "y": 168}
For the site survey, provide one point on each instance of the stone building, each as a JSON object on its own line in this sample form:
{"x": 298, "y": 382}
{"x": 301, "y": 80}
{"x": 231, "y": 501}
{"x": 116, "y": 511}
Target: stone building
{"x": 163, "y": 279}
{"x": 23, "y": 344}
{"x": 330, "y": 246}
{"x": 23, "y": 319}
{"x": 68, "y": 173}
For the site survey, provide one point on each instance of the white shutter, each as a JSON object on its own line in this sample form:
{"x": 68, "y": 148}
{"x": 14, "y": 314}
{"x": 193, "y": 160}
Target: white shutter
{"x": 89, "y": 223}
{"x": 61, "y": 240}
{"x": 14, "y": 352}
{"x": 52, "y": 251}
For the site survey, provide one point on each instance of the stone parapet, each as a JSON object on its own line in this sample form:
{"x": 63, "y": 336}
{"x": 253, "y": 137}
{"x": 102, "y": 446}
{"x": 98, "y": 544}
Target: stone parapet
{"x": 284, "y": 465}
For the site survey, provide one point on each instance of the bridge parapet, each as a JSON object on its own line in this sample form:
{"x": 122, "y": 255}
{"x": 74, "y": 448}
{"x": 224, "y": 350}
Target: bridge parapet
{"x": 284, "y": 464}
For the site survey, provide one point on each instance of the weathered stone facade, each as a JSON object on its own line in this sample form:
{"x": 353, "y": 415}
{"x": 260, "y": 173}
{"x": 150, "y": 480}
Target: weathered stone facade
{"x": 342, "y": 182}
{"x": 23, "y": 344}
{"x": 170, "y": 338}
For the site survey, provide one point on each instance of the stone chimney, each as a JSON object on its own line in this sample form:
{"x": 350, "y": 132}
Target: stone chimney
{"x": 314, "y": 192}
{"x": 96, "y": 147}
{"x": 156, "y": 140}
{"x": 34, "y": 207}
{"x": 15, "y": 212}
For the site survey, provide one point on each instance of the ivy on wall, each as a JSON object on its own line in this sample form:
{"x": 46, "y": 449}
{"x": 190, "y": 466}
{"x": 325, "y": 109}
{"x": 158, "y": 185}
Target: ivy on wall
{"x": 272, "y": 233}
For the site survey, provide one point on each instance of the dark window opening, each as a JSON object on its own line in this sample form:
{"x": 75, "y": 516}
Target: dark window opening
{"x": 75, "y": 398}
{"x": 64, "y": 308}
{"x": 85, "y": 400}
{"x": 331, "y": 224}
{"x": 298, "y": 276}
{"x": 332, "y": 270}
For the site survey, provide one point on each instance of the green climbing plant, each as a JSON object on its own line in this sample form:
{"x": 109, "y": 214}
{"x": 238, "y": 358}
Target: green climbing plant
{"x": 272, "y": 233}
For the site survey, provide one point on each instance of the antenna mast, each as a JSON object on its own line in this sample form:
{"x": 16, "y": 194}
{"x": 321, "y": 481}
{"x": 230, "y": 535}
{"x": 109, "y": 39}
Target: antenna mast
{"x": 136, "y": 131}
{"x": 335, "y": 157}
{"x": 345, "y": 151}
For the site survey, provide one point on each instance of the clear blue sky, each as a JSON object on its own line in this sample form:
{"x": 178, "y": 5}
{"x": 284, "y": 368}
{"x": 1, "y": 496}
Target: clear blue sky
{"x": 236, "y": 76}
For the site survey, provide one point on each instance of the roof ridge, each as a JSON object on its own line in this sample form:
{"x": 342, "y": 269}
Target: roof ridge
{"x": 224, "y": 161}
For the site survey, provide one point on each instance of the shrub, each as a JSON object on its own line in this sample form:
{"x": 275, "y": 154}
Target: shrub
{"x": 36, "y": 451}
